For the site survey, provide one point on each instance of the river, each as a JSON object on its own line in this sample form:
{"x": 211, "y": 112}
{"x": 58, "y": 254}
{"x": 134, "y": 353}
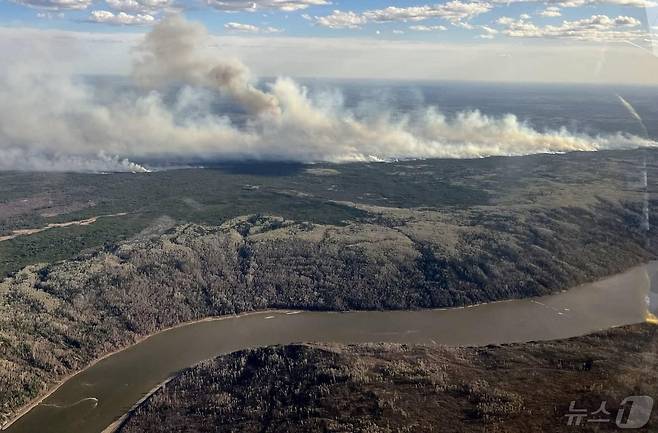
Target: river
{"x": 96, "y": 397}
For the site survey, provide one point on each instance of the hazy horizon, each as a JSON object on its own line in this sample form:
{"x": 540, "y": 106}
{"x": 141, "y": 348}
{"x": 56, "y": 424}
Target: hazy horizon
{"x": 50, "y": 120}
{"x": 527, "y": 61}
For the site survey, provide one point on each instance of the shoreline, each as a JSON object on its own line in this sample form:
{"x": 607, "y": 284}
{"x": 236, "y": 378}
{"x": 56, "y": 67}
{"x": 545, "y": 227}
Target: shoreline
{"x": 112, "y": 428}
{"x": 38, "y": 400}
{"x": 116, "y": 425}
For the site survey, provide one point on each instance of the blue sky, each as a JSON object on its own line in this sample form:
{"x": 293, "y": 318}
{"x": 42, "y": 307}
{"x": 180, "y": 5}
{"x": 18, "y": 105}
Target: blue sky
{"x": 452, "y": 21}
{"x": 484, "y": 40}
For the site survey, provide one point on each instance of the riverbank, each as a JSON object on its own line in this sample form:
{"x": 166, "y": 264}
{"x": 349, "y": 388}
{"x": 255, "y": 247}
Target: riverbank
{"x": 115, "y": 426}
{"x": 616, "y": 301}
{"x": 389, "y": 387}
{"x": 24, "y": 410}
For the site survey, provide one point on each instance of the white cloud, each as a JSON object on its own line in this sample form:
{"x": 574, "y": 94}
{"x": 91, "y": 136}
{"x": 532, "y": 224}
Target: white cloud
{"x": 454, "y": 11}
{"x": 122, "y": 18}
{"x": 241, "y": 27}
{"x": 250, "y": 28}
{"x": 598, "y": 28}
{"x": 55, "y": 5}
{"x": 50, "y": 15}
{"x": 580, "y": 3}
{"x": 487, "y": 32}
{"x": 141, "y": 6}
{"x": 551, "y": 12}
{"x": 505, "y": 21}
{"x": 254, "y": 5}
{"x": 428, "y": 28}
{"x": 270, "y": 29}
{"x": 341, "y": 20}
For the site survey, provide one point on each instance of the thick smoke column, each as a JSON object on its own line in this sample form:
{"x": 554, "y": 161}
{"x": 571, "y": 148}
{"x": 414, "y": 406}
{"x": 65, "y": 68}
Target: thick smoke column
{"x": 51, "y": 121}
{"x": 173, "y": 52}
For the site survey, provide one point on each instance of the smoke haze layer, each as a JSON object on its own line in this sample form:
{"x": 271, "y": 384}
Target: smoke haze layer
{"x": 51, "y": 121}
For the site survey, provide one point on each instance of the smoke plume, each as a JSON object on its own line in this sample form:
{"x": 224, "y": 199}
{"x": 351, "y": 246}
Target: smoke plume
{"x": 51, "y": 121}
{"x": 173, "y": 52}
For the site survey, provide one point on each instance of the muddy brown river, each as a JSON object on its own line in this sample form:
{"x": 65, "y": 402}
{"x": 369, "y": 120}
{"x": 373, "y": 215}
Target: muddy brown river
{"x": 96, "y": 397}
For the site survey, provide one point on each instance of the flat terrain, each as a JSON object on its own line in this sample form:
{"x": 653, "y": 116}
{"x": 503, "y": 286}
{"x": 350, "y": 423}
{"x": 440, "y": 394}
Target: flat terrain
{"x": 187, "y": 244}
{"x": 397, "y": 388}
